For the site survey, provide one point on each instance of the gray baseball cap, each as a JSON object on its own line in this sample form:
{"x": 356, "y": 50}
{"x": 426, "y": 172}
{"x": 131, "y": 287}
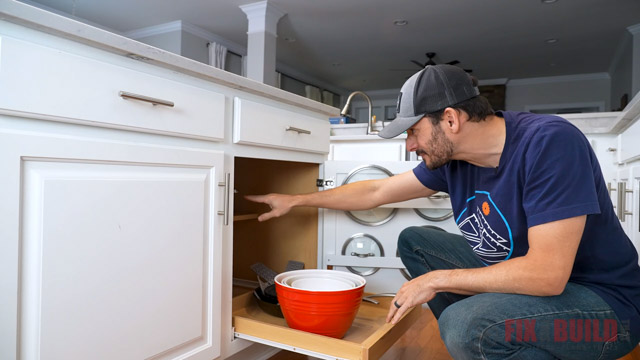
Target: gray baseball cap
{"x": 431, "y": 89}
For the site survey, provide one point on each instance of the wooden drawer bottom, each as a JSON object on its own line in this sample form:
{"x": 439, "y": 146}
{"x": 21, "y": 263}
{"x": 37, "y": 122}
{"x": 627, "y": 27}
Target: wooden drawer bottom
{"x": 368, "y": 338}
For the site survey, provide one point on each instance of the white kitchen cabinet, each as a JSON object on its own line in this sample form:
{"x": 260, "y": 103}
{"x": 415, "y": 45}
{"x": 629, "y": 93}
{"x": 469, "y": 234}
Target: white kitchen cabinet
{"x": 110, "y": 249}
{"x": 118, "y": 237}
{"x": 626, "y": 197}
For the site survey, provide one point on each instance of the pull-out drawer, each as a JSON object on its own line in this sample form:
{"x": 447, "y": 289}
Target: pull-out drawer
{"x": 368, "y": 338}
{"x": 261, "y": 124}
{"x": 60, "y": 86}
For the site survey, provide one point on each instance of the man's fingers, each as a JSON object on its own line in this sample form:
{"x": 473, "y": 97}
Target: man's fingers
{"x": 399, "y": 314}
{"x": 266, "y": 216}
{"x": 255, "y": 198}
{"x": 392, "y": 311}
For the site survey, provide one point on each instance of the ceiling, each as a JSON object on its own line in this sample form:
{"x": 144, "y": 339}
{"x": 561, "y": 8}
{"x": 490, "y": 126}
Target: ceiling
{"x": 354, "y": 44}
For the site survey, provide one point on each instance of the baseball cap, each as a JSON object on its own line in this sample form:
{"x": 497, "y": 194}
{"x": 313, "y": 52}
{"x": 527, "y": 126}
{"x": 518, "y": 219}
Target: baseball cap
{"x": 431, "y": 89}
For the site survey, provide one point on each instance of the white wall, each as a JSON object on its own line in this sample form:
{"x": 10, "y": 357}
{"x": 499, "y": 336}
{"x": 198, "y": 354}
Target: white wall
{"x": 169, "y": 41}
{"x": 621, "y": 73}
{"x": 194, "y": 47}
{"x": 559, "y": 91}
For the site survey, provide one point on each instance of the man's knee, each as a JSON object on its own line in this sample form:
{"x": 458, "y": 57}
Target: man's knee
{"x": 457, "y": 327}
{"x": 470, "y": 331}
{"x": 416, "y": 237}
{"x": 406, "y": 241}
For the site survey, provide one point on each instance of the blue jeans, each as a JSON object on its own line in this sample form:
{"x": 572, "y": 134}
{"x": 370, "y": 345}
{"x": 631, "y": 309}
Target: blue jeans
{"x": 576, "y": 324}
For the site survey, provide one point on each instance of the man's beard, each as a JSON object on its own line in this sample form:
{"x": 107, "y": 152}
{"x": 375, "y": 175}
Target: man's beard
{"x": 440, "y": 149}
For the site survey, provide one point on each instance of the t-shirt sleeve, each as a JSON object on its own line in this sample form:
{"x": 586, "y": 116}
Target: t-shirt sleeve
{"x": 433, "y": 179}
{"x": 559, "y": 180}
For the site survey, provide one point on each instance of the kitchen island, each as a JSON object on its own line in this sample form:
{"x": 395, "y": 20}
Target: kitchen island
{"x": 124, "y": 232}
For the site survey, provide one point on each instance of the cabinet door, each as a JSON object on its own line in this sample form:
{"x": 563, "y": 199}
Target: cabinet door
{"x": 108, "y": 250}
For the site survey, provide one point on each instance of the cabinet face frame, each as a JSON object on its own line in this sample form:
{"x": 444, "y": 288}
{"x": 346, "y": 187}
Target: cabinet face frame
{"x": 19, "y": 337}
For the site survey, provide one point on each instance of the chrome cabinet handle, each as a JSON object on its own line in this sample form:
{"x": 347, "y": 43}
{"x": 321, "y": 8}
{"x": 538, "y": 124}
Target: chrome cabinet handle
{"x": 227, "y": 187}
{"x": 127, "y": 95}
{"x": 298, "y": 130}
{"x": 621, "y": 208}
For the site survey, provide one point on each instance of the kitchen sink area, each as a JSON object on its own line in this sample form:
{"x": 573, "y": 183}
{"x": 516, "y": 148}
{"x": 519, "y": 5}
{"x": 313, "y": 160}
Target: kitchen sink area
{"x": 351, "y": 142}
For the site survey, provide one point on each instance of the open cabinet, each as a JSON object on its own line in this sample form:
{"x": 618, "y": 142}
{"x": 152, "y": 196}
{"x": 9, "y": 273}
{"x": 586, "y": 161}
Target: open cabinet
{"x": 292, "y": 237}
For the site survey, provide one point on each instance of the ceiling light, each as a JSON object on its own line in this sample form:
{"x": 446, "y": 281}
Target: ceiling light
{"x": 400, "y": 22}
{"x": 551, "y": 41}
{"x": 548, "y": 1}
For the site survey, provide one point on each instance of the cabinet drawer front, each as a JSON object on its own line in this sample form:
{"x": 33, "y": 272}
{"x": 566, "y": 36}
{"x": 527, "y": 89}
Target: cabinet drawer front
{"x": 260, "y": 124}
{"x": 65, "y": 87}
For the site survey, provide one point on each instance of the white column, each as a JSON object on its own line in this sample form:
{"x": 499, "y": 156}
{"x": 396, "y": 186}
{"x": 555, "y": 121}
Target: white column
{"x": 635, "y": 59}
{"x": 261, "y": 41}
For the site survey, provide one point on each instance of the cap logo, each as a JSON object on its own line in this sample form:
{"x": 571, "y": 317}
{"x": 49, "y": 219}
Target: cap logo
{"x": 398, "y": 103}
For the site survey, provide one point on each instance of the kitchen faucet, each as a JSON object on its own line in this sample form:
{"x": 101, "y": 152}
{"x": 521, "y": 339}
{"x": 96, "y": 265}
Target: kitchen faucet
{"x": 345, "y": 111}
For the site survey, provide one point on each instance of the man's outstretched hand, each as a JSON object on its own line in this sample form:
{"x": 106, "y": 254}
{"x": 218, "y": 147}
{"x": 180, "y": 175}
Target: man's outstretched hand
{"x": 280, "y": 204}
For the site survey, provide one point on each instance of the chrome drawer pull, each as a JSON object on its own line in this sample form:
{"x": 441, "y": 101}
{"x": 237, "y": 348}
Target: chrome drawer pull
{"x": 298, "y": 130}
{"x": 127, "y": 95}
{"x": 621, "y": 209}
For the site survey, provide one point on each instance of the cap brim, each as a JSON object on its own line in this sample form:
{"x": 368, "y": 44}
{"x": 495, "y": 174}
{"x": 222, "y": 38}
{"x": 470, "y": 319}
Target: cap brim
{"x": 398, "y": 126}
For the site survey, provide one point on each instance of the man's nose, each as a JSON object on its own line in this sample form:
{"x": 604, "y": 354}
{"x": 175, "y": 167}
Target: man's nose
{"x": 411, "y": 144}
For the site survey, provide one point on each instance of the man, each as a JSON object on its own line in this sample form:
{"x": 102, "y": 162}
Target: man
{"x": 544, "y": 269}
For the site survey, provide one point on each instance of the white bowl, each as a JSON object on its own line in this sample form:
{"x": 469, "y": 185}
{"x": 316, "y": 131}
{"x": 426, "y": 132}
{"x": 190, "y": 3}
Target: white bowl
{"x": 290, "y": 280}
{"x": 321, "y": 284}
{"x": 352, "y": 280}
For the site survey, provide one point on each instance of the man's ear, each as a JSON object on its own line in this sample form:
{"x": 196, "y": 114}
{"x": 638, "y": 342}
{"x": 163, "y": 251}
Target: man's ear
{"x": 451, "y": 118}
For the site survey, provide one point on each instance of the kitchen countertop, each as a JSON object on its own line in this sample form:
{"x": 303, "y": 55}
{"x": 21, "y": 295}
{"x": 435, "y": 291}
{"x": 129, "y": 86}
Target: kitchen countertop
{"x": 29, "y": 16}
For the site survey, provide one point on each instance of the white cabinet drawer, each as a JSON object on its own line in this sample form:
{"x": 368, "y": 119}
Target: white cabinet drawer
{"x": 61, "y": 86}
{"x": 260, "y": 124}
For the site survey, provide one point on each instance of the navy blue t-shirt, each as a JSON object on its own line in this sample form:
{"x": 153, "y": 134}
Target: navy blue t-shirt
{"x": 547, "y": 172}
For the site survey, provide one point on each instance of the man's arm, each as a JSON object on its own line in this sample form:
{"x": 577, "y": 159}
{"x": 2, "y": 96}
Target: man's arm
{"x": 543, "y": 271}
{"x": 361, "y": 195}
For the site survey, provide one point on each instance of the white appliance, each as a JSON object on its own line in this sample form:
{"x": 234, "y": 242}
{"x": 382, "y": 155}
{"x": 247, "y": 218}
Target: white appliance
{"x": 365, "y": 242}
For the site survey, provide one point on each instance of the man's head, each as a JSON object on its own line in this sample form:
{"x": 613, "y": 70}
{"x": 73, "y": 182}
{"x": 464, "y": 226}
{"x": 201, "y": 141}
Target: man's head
{"x": 430, "y": 91}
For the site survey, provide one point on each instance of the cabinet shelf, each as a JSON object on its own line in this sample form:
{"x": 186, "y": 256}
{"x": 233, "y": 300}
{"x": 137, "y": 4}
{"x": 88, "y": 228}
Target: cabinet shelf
{"x": 244, "y": 217}
{"x": 368, "y": 338}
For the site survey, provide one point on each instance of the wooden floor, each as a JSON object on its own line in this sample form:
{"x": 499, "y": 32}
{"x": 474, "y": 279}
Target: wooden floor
{"x": 421, "y": 342}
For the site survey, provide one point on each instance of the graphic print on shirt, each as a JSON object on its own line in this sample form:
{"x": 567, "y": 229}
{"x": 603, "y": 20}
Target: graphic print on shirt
{"x": 485, "y": 229}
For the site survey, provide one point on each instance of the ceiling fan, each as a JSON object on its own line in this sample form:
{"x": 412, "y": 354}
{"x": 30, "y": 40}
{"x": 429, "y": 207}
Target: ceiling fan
{"x": 430, "y": 56}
